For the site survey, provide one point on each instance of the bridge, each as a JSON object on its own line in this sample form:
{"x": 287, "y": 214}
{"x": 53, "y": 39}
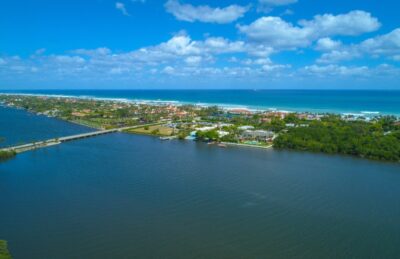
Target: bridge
{"x": 56, "y": 141}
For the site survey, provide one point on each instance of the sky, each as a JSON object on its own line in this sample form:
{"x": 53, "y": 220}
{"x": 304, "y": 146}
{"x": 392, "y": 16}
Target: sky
{"x": 200, "y": 44}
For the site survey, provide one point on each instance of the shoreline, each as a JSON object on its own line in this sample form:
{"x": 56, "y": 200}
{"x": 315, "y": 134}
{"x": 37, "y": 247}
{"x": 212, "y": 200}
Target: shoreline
{"x": 224, "y": 106}
{"x": 247, "y": 145}
{"x": 174, "y": 137}
{"x": 216, "y": 123}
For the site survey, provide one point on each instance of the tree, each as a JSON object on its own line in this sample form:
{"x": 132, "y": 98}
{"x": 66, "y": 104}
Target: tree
{"x": 333, "y": 135}
{"x": 207, "y": 135}
{"x": 4, "y": 253}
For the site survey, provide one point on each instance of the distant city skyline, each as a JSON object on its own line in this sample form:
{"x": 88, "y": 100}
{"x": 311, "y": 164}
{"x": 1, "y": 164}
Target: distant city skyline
{"x": 199, "y": 44}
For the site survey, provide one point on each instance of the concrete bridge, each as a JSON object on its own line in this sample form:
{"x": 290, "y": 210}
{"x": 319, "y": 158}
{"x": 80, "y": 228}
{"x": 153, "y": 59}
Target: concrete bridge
{"x": 56, "y": 141}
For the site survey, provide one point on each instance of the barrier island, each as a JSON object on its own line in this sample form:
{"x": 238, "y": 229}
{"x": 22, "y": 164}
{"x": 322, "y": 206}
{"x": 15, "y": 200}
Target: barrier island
{"x": 376, "y": 137}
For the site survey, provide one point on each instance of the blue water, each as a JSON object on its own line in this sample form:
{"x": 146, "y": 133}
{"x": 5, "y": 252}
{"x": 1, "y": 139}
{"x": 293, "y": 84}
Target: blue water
{"x": 337, "y": 101}
{"x": 19, "y": 126}
{"x": 131, "y": 196}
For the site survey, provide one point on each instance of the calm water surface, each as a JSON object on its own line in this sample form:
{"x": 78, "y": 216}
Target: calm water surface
{"x": 19, "y": 126}
{"x": 128, "y": 196}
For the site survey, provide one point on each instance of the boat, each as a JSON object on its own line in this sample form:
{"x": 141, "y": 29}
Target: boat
{"x": 221, "y": 145}
{"x": 168, "y": 138}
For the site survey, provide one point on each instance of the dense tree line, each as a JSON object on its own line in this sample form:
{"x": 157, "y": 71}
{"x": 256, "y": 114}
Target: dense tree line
{"x": 207, "y": 135}
{"x": 378, "y": 140}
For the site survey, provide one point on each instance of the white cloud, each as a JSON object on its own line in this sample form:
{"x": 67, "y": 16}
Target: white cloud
{"x": 121, "y": 6}
{"x": 277, "y": 33}
{"x": 335, "y": 70}
{"x": 204, "y": 13}
{"x": 193, "y": 60}
{"x": 257, "y": 61}
{"x": 118, "y": 70}
{"x": 69, "y": 59}
{"x": 180, "y": 45}
{"x": 222, "y": 45}
{"x": 169, "y": 70}
{"x": 351, "y": 24}
{"x": 274, "y": 67}
{"x": 267, "y": 6}
{"x": 327, "y": 44}
{"x": 388, "y": 44}
{"x": 214, "y": 57}
{"x": 280, "y": 34}
{"x": 336, "y": 56}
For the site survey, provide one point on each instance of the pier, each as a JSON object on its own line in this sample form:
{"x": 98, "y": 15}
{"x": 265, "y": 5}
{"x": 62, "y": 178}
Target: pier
{"x": 57, "y": 141}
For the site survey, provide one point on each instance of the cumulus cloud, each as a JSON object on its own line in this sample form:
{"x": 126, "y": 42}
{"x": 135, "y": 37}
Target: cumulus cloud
{"x": 381, "y": 73}
{"x": 267, "y": 6}
{"x": 336, "y": 56}
{"x": 180, "y": 45}
{"x": 327, "y": 44}
{"x": 180, "y": 56}
{"x": 249, "y": 58}
{"x": 284, "y": 35}
{"x": 204, "y": 13}
{"x": 68, "y": 59}
{"x": 193, "y": 60}
{"x": 335, "y": 70}
{"x": 277, "y": 33}
{"x": 387, "y": 45}
{"x": 169, "y": 70}
{"x": 350, "y": 24}
{"x": 121, "y": 6}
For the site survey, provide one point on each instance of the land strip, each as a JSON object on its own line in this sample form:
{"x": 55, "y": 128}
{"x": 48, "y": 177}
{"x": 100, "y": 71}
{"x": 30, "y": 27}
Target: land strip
{"x": 375, "y": 138}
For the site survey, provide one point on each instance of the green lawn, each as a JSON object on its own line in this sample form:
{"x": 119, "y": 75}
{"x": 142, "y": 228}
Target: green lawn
{"x": 158, "y": 130}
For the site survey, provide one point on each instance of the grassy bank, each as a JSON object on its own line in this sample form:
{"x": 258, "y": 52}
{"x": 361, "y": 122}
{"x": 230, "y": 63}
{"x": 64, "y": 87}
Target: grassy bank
{"x": 6, "y": 155}
{"x": 4, "y": 253}
{"x": 156, "y": 130}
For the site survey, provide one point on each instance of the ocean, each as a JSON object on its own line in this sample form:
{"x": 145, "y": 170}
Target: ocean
{"x": 132, "y": 196}
{"x": 360, "y": 102}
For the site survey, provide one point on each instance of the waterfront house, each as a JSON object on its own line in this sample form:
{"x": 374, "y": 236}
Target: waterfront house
{"x": 257, "y": 134}
{"x": 246, "y": 127}
{"x": 240, "y": 111}
{"x": 222, "y": 133}
{"x": 207, "y": 128}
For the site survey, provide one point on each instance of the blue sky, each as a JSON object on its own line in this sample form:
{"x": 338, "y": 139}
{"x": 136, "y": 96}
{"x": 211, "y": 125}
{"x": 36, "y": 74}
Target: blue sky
{"x": 153, "y": 44}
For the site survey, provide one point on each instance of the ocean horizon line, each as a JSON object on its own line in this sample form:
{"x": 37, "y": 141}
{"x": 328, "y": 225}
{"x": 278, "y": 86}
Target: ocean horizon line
{"x": 299, "y": 108}
{"x": 204, "y": 89}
